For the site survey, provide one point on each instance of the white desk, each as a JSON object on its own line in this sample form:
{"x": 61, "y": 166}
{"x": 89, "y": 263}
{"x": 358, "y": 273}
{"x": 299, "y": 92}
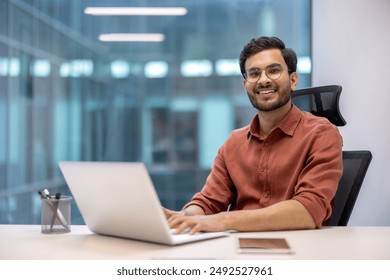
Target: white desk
{"x": 27, "y": 242}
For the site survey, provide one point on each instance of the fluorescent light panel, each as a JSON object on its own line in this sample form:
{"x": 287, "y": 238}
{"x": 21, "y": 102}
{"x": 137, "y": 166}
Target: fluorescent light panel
{"x": 227, "y": 67}
{"x": 120, "y": 69}
{"x": 9, "y": 66}
{"x": 304, "y": 65}
{"x": 156, "y": 69}
{"x": 132, "y": 37}
{"x": 196, "y": 68}
{"x": 40, "y": 68}
{"x": 130, "y": 11}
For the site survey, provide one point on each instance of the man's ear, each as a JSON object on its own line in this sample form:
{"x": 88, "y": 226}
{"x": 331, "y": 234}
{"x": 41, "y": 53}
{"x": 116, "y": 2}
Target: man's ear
{"x": 293, "y": 80}
{"x": 244, "y": 83}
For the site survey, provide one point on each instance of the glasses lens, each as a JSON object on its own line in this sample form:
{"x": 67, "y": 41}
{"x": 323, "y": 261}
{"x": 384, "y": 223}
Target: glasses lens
{"x": 253, "y": 75}
{"x": 274, "y": 72}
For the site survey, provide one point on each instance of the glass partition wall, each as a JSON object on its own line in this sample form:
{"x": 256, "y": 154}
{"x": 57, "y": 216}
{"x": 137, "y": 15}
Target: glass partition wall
{"x": 65, "y": 94}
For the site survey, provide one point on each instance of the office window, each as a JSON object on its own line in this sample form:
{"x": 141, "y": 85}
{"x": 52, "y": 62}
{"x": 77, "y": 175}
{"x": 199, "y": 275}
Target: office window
{"x": 66, "y": 95}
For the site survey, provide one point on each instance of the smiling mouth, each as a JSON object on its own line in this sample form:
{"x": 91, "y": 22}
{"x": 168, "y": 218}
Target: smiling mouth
{"x": 265, "y": 91}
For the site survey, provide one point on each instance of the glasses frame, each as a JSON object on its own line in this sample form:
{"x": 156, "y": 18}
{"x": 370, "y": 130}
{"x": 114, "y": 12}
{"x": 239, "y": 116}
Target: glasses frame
{"x": 265, "y": 71}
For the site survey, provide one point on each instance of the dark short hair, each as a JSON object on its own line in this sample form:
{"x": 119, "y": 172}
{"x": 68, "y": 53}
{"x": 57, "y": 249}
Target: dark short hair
{"x": 266, "y": 43}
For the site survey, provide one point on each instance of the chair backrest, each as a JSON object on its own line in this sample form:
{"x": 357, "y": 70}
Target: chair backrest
{"x": 355, "y": 165}
{"x": 321, "y": 101}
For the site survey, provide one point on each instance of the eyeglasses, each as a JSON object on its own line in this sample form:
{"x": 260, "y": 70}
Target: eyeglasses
{"x": 273, "y": 72}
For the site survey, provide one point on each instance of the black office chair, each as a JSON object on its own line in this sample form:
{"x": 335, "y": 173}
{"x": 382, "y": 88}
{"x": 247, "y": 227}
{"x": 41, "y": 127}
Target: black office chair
{"x": 323, "y": 101}
{"x": 355, "y": 165}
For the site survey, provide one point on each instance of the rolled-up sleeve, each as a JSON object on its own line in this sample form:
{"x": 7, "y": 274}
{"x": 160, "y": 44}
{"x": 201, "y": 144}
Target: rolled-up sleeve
{"x": 218, "y": 191}
{"x": 318, "y": 181}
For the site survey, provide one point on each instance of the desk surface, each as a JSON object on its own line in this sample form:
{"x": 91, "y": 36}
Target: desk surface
{"x": 353, "y": 243}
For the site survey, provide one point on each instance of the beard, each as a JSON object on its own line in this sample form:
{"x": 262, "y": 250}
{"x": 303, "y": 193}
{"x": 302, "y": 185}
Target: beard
{"x": 269, "y": 105}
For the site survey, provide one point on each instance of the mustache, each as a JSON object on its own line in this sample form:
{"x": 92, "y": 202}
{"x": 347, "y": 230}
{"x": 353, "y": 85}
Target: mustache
{"x": 264, "y": 87}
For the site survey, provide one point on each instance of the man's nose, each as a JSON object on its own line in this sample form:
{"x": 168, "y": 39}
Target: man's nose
{"x": 263, "y": 78}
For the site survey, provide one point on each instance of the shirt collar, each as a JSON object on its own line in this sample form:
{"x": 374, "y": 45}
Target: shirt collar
{"x": 287, "y": 126}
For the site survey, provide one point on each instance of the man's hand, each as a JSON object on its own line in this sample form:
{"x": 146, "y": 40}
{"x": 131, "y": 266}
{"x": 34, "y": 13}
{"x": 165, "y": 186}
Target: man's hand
{"x": 193, "y": 220}
{"x": 169, "y": 213}
{"x": 197, "y": 223}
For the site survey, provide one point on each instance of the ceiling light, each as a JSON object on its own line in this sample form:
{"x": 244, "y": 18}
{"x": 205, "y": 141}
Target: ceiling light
{"x": 127, "y": 11}
{"x": 132, "y": 37}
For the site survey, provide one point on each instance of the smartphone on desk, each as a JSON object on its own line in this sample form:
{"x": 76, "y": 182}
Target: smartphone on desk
{"x": 263, "y": 245}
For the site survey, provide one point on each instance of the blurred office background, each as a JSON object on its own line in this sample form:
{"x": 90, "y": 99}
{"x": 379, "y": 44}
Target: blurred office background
{"x": 65, "y": 94}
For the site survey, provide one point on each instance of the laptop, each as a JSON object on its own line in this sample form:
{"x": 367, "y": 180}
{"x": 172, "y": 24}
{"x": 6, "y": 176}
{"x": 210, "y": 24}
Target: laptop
{"x": 119, "y": 199}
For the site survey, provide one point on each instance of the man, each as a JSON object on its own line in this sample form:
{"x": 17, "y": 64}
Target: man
{"x": 278, "y": 173}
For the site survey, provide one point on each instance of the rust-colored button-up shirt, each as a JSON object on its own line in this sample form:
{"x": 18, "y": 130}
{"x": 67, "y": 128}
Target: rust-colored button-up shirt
{"x": 300, "y": 159}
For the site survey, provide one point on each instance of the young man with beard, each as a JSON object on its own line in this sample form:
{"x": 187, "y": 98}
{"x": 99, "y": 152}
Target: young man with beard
{"x": 281, "y": 171}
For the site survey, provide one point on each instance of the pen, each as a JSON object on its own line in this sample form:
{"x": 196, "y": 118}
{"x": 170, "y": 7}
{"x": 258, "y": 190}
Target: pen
{"x": 54, "y": 214}
{"x": 44, "y": 194}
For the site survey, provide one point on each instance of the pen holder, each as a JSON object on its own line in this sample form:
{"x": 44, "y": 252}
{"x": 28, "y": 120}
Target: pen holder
{"x": 55, "y": 214}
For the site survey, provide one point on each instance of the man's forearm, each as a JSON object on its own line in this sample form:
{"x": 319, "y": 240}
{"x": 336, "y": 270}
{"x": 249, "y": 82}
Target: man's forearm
{"x": 285, "y": 215}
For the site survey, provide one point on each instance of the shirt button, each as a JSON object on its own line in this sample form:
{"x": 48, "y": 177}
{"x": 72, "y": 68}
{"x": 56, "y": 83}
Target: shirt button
{"x": 266, "y": 194}
{"x": 262, "y": 169}
{"x": 266, "y": 144}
